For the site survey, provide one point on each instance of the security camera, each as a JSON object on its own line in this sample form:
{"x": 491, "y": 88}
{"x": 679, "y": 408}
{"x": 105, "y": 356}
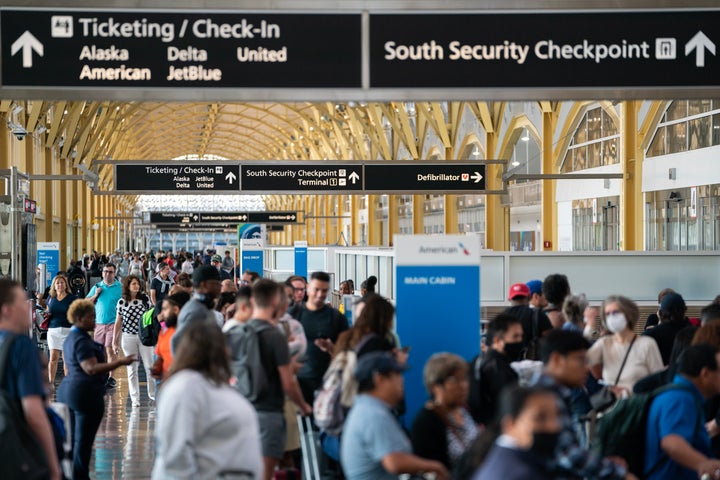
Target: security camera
{"x": 19, "y": 132}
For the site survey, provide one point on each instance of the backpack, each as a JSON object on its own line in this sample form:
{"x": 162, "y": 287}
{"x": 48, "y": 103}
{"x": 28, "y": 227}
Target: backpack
{"x": 531, "y": 351}
{"x": 249, "y": 376}
{"x": 475, "y": 398}
{"x": 621, "y": 431}
{"x": 338, "y": 390}
{"x": 149, "y": 330}
{"x": 21, "y": 454}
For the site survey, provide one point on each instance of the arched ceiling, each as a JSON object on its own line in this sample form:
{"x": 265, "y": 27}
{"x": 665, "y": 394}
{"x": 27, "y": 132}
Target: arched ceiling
{"x": 151, "y": 131}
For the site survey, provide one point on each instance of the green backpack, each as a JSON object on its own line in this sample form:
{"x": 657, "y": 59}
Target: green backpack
{"x": 621, "y": 431}
{"x": 149, "y": 330}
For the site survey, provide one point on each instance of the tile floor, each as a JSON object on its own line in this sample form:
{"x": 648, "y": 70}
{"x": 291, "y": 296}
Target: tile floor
{"x": 124, "y": 446}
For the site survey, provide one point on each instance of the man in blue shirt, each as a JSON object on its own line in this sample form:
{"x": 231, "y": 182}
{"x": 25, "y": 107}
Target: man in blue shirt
{"x": 106, "y": 294}
{"x": 23, "y": 372}
{"x": 677, "y": 445}
{"x": 373, "y": 446}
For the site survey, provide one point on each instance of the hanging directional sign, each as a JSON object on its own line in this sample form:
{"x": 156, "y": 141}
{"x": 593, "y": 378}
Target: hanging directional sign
{"x": 141, "y": 49}
{"x": 223, "y": 218}
{"x": 420, "y": 176}
{"x": 302, "y": 177}
{"x": 584, "y": 49}
{"x": 177, "y": 177}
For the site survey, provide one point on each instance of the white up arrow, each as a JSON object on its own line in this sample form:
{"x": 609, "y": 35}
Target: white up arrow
{"x": 230, "y": 177}
{"x": 27, "y": 42}
{"x": 699, "y": 43}
{"x": 476, "y": 176}
{"x": 354, "y": 177}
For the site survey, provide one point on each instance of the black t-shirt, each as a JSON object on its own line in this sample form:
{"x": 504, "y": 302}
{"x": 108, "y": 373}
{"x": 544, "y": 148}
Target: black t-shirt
{"x": 161, "y": 287}
{"x": 324, "y": 323}
{"x": 495, "y": 374}
{"x": 274, "y": 353}
{"x": 526, "y": 315}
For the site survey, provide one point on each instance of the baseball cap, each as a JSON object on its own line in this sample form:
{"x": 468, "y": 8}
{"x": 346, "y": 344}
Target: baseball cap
{"x": 535, "y": 286}
{"x": 672, "y": 302}
{"x": 216, "y": 258}
{"x": 377, "y": 362}
{"x": 518, "y": 290}
{"x": 205, "y": 273}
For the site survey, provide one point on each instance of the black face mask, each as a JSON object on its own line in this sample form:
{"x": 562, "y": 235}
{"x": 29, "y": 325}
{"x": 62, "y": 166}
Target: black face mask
{"x": 544, "y": 443}
{"x": 513, "y": 351}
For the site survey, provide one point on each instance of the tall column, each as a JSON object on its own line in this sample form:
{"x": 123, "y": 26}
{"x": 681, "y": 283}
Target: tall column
{"x": 632, "y": 196}
{"x": 497, "y": 220}
{"x": 332, "y": 209}
{"x": 374, "y": 230}
{"x": 549, "y": 208}
{"x": 418, "y": 214}
{"x": 318, "y": 204}
{"x": 451, "y": 214}
{"x": 355, "y": 225}
{"x": 63, "y": 213}
{"x": 393, "y": 220}
{"x": 48, "y": 207}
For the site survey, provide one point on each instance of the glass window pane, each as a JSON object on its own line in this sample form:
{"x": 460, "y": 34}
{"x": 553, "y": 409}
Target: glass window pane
{"x": 580, "y": 159}
{"x": 581, "y": 133}
{"x": 716, "y": 129}
{"x": 657, "y": 146}
{"x": 594, "y": 123}
{"x": 696, "y": 107}
{"x": 677, "y": 110}
{"x": 567, "y": 164}
{"x": 677, "y": 137}
{"x": 609, "y": 127}
{"x": 594, "y": 154}
{"x": 610, "y": 156}
{"x": 699, "y": 132}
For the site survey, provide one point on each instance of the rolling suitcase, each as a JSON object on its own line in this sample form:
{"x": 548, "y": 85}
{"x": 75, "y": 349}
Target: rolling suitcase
{"x": 309, "y": 446}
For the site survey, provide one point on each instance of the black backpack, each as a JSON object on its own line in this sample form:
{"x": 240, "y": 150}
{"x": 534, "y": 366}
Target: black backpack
{"x": 621, "y": 431}
{"x": 21, "y": 455}
{"x": 149, "y": 328}
{"x": 475, "y": 397}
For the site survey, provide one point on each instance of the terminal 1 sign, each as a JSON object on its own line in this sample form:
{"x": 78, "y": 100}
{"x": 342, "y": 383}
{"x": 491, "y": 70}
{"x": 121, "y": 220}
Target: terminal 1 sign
{"x": 379, "y": 57}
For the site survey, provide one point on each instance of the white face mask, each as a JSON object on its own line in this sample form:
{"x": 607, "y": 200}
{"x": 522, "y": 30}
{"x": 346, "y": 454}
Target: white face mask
{"x": 616, "y": 322}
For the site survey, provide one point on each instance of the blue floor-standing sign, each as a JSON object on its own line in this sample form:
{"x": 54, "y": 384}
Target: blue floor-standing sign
{"x": 251, "y": 240}
{"x": 49, "y": 254}
{"x": 301, "y": 258}
{"x": 438, "y": 303}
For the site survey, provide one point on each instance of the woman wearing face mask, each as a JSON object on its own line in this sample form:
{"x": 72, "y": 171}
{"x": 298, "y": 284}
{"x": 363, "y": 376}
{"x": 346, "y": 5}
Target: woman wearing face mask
{"x": 623, "y": 358}
{"x": 530, "y": 426}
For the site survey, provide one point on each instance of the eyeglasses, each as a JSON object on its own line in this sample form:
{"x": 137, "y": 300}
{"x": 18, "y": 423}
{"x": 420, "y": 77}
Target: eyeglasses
{"x": 299, "y": 289}
{"x": 109, "y": 271}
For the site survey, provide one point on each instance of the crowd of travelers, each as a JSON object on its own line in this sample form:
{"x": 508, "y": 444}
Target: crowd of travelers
{"x": 235, "y": 364}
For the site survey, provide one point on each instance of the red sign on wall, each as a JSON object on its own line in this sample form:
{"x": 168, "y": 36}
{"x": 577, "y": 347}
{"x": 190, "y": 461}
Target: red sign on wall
{"x": 547, "y": 244}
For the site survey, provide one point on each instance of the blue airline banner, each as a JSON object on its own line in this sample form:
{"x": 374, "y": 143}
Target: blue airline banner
{"x": 252, "y": 244}
{"x": 438, "y": 303}
{"x": 301, "y": 258}
{"x": 49, "y": 254}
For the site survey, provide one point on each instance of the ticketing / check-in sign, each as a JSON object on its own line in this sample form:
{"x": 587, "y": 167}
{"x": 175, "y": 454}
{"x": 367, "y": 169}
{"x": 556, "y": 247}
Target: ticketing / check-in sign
{"x": 141, "y": 49}
{"x": 438, "y": 302}
{"x": 176, "y": 177}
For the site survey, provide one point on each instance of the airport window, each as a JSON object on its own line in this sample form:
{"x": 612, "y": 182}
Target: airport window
{"x": 596, "y": 224}
{"x": 686, "y": 125}
{"x": 594, "y": 144}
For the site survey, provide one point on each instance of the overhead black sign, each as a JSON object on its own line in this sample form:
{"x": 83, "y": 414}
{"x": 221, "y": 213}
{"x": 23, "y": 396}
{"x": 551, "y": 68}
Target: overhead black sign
{"x": 222, "y": 218}
{"x": 525, "y": 50}
{"x": 111, "y": 48}
{"x": 309, "y": 177}
{"x": 177, "y": 177}
{"x": 424, "y": 177}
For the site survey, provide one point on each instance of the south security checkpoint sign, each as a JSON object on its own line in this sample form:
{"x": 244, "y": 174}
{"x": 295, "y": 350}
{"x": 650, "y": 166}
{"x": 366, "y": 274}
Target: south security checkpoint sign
{"x": 438, "y": 302}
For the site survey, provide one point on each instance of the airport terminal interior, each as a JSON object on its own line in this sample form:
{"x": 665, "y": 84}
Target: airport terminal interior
{"x": 613, "y": 184}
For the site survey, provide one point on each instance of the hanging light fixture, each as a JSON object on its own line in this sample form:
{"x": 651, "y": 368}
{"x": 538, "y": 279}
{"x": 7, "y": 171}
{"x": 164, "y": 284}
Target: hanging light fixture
{"x": 526, "y": 136}
{"x": 515, "y": 163}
